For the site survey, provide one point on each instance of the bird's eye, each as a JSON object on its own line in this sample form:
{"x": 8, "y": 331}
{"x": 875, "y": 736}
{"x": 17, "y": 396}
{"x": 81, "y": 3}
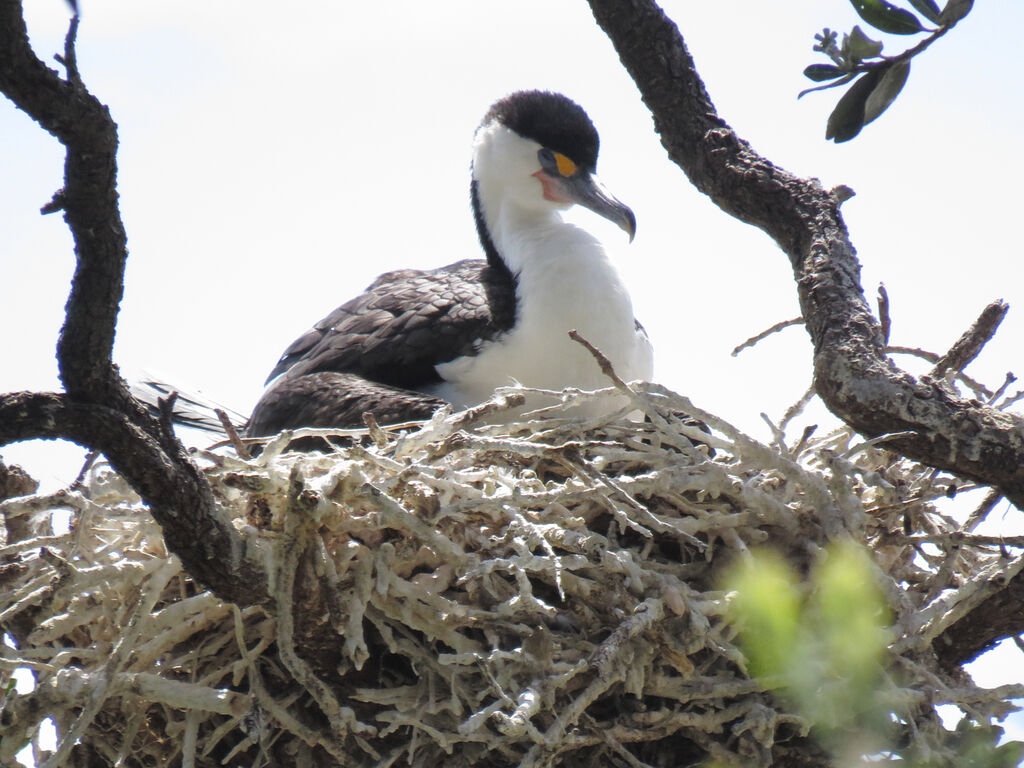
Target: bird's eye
{"x": 556, "y": 161}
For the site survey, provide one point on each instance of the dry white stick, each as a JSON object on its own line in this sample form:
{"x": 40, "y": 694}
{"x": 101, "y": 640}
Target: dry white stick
{"x": 292, "y": 544}
{"x": 605, "y": 663}
{"x": 102, "y": 680}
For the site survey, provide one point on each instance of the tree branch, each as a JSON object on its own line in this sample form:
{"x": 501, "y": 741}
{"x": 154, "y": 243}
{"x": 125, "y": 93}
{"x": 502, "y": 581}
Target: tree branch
{"x": 970, "y": 344}
{"x": 89, "y": 199}
{"x": 178, "y": 494}
{"x": 852, "y": 373}
{"x": 98, "y": 411}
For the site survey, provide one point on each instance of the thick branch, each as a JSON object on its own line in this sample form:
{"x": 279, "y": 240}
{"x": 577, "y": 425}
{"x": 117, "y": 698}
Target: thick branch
{"x": 853, "y": 375}
{"x": 179, "y": 496}
{"x": 98, "y": 411}
{"x": 89, "y": 199}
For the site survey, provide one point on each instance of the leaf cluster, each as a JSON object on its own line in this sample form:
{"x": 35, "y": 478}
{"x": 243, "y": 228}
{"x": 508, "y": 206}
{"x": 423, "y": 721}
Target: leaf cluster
{"x": 876, "y": 79}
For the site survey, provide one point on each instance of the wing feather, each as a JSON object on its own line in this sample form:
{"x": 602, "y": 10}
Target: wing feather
{"x": 405, "y": 323}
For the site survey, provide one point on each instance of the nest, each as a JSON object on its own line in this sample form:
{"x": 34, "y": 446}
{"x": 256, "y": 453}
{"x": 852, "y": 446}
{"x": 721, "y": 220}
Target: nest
{"x": 546, "y": 592}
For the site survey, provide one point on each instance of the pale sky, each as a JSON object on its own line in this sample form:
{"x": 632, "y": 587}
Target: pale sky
{"x": 274, "y": 159}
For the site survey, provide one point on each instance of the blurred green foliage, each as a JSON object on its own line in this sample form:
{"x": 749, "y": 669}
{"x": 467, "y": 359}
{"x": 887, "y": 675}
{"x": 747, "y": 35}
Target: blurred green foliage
{"x": 820, "y": 643}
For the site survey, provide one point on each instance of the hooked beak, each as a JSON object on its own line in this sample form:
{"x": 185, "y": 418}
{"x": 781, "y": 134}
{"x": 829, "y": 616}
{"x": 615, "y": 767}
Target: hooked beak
{"x": 587, "y": 190}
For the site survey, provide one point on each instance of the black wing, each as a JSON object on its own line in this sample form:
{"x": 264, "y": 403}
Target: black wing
{"x": 405, "y": 323}
{"x": 334, "y": 400}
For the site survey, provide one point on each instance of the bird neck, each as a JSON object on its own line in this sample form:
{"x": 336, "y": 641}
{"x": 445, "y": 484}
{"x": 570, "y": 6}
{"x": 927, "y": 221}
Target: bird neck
{"x": 557, "y": 267}
{"x": 493, "y": 257}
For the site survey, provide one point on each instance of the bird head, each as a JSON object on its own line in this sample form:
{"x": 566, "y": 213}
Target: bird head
{"x": 538, "y": 151}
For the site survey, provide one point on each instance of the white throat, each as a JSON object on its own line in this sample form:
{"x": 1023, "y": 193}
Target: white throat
{"x": 564, "y": 281}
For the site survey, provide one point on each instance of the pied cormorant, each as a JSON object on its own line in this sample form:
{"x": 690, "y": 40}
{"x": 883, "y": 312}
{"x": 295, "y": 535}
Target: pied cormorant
{"x": 416, "y": 340}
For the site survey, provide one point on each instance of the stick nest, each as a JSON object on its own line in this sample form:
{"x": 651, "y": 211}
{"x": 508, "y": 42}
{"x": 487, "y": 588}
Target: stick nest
{"x": 541, "y": 593}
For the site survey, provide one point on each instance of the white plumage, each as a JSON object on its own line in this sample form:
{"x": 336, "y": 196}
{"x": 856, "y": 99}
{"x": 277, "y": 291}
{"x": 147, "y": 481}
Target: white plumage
{"x": 565, "y": 281}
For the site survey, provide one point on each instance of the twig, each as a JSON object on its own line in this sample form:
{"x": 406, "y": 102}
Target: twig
{"x": 883, "y": 312}
{"x": 104, "y": 681}
{"x": 70, "y": 59}
{"x": 293, "y": 544}
{"x": 165, "y": 406}
{"x": 982, "y": 511}
{"x": 979, "y": 389}
{"x": 1007, "y": 381}
{"x": 229, "y": 429}
{"x": 766, "y": 333}
{"x": 90, "y": 459}
{"x": 802, "y": 442}
{"x": 796, "y": 409}
{"x": 377, "y": 434}
{"x": 605, "y": 364}
{"x": 1011, "y": 400}
{"x": 974, "y": 339}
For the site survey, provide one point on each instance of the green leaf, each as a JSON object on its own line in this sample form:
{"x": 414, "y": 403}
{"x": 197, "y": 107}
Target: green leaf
{"x": 928, "y": 9}
{"x": 819, "y": 72}
{"x": 887, "y": 17}
{"x": 954, "y": 11}
{"x": 847, "y": 118}
{"x": 867, "y": 98}
{"x": 859, "y": 46}
{"x": 888, "y": 88}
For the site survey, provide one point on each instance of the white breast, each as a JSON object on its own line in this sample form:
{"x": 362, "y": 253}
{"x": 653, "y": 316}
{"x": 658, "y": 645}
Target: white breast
{"x": 565, "y": 282}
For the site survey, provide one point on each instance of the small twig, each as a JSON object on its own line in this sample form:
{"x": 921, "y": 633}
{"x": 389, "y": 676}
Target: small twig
{"x": 229, "y": 429}
{"x": 1010, "y": 378}
{"x": 883, "y": 312}
{"x": 104, "y": 678}
{"x": 70, "y": 59}
{"x": 293, "y": 544}
{"x": 872, "y": 442}
{"x": 802, "y": 442}
{"x": 778, "y": 437}
{"x": 982, "y": 511}
{"x": 606, "y": 365}
{"x": 165, "y": 405}
{"x": 980, "y": 390}
{"x": 766, "y": 333}
{"x": 1018, "y": 641}
{"x": 90, "y": 459}
{"x": 959, "y": 539}
{"x": 377, "y": 434}
{"x": 974, "y": 339}
{"x": 57, "y": 203}
{"x": 1011, "y": 400}
{"x": 501, "y": 402}
{"x": 797, "y": 408}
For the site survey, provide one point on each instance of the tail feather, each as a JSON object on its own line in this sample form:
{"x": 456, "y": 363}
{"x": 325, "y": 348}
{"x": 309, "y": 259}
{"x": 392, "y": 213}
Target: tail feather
{"x": 191, "y": 408}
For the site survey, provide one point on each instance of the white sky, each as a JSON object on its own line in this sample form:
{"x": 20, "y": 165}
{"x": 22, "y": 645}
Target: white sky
{"x": 274, "y": 159}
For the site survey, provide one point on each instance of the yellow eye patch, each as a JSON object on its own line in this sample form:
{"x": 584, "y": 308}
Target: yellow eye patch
{"x": 566, "y": 167}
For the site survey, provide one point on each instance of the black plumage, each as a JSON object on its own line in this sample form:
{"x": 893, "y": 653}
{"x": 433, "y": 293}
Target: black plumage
{"x": 394, "y": 334}
{"x": 553, "y": 121}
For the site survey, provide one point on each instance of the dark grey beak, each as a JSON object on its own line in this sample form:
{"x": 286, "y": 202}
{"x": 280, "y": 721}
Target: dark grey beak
{"x": 587, "y": 190}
